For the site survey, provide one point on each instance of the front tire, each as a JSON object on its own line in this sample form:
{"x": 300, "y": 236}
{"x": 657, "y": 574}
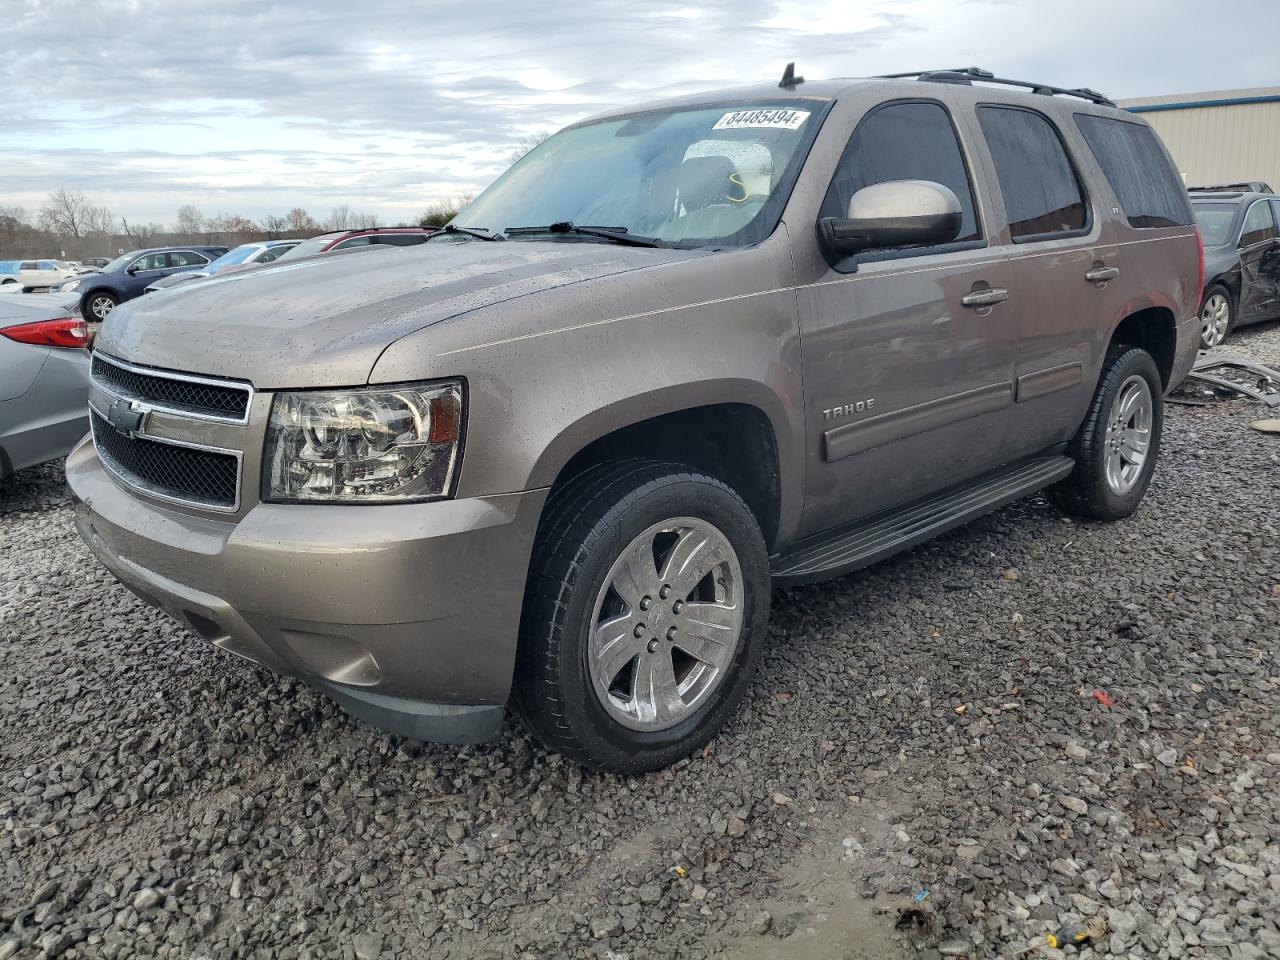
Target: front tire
{"x": 1217, "y": 316}
{"x": 1116, "y": 447}
{"x": 98, "y": 305}
{"x": 647, "y": 599}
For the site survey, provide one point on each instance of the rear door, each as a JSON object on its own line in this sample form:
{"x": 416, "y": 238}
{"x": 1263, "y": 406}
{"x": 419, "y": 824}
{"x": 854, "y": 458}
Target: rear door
{"x": 1061, "y": 268}
{"x": 1259, "y": 267}
{"x": 907, "y": 374}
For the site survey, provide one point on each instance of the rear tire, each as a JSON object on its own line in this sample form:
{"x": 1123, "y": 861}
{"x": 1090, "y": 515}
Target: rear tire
{"x": 630, "y": 656}
{"x": 1116, "y": 447}
{"x": 1217, "y": 316}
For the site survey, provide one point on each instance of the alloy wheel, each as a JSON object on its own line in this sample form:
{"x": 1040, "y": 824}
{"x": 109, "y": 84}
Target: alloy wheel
{"x": 1128, "y": 437}
{"x": 1215, "y": 316}
{"x": 666, "y": 624}
{"x": 101, "y": 306}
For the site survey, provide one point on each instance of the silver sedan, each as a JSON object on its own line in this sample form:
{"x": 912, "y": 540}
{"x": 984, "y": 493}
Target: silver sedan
{"x": 44, "y": 380}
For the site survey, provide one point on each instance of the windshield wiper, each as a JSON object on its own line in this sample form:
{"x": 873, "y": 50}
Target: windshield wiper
{"x": 616, "y": 234}
{"x": 452, "y": 231}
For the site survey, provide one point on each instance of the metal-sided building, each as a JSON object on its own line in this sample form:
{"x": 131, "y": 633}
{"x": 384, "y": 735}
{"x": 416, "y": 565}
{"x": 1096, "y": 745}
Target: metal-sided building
{"x": 1216, "y": 138}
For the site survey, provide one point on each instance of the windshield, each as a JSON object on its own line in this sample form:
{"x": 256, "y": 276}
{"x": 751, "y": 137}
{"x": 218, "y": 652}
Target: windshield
{"x": 119, "y": 263}
{"x": 1215, "y": 221}
{"x": 239, "y": 255}
{"x": 307, "y": 247}
{"x": 702, "y": 176}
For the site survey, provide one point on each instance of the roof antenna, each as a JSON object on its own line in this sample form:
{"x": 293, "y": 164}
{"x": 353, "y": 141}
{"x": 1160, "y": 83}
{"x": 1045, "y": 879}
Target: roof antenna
{"x": 789, "y": 78}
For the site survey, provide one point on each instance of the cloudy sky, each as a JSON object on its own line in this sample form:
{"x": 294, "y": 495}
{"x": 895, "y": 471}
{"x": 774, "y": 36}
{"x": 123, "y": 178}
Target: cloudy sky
{"x": 252, "y": 107}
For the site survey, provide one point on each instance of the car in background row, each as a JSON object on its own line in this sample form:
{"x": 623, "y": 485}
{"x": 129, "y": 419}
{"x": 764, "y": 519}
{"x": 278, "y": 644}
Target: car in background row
{"x": 128, "y": 276}
{"x": 238, "y": 258}
{"x": 346, "y": 239}
{"x": 44, "y": 380}
{"x": 35, "y": 274}
{"x": 1241, "y": 259}
{"x": 96, "y": 263}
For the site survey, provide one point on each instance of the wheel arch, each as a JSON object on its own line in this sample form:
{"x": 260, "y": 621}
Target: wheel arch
{"x": 739, "y": 435}
{"x": 1154, "y": 329}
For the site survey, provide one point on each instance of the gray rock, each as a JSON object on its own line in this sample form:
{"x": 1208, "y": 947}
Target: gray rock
{"x": 367, "y": 945}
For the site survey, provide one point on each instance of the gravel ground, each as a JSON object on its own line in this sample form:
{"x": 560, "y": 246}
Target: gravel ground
{"x": 1038, "y": 722}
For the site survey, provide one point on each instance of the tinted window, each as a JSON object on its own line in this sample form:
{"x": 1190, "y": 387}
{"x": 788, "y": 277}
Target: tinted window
{"x": 354, "y": 242}
{"x": 1259, "y": 224}
{"x": 400, "y": 239}
{"x": 271, "y": 253}
{"x": 1041, "y": 192}
{"x": 186, "y": 258}
{"x": 151, "y": 261}
{"x": 1215, "y": 221}
{"x": 1275, "y": 209}
{"x": 1150, "y": 191}
{"x": 903, "y": 141}
{"x": 46, "y": 265}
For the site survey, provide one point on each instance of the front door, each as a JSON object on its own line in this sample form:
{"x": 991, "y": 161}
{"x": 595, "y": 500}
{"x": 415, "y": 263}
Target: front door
{"x": 1259, "y": 263}
{"x": 148, "y": 268}
{"x": 908, "y": 353}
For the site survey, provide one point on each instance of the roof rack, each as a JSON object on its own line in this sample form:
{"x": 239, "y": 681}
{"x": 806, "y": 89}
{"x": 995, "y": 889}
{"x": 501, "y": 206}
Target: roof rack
{"x": 966, "y": 75}
{"x": 1245, "y": 186}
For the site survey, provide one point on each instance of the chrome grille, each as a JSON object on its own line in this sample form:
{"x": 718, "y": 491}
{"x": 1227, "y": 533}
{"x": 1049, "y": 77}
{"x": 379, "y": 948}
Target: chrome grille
{"x": 199, "y": 397}
{"x": 169, "y": 470}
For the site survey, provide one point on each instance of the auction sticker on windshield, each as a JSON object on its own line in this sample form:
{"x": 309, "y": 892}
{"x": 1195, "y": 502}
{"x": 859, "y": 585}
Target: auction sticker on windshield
{"x": 778, "y": 118}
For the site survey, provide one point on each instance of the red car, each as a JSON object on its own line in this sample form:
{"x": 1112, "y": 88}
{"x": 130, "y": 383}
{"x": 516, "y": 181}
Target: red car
{"x": 345, "y": 239}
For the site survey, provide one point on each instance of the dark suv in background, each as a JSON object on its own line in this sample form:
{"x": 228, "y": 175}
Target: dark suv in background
{"x": 1241, "y": 257}
{"x": 127, "y": 276}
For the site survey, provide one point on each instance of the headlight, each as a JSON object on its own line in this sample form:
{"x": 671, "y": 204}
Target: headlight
{"x": 70, "y": 285}
{"x": 374, "y": 445}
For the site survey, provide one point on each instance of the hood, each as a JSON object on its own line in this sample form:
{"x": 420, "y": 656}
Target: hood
{"x": 323, "y": 321}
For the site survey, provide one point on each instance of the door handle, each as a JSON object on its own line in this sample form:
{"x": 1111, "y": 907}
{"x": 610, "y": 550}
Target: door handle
{"x": 1102, "y": 274}
{"x": 985, "y": 297}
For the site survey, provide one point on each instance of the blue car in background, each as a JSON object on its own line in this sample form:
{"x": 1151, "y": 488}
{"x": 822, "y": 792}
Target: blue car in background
{"x": 128, "y": 276}
{"x": 237, "y": 258}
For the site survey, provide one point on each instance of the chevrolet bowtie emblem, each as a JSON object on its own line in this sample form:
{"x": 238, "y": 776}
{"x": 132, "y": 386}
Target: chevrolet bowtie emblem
{"x": 126, "y": 418}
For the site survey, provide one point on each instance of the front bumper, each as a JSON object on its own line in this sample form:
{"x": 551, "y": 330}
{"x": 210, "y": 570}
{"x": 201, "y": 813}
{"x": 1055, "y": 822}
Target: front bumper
{"x": 406, "y": 614}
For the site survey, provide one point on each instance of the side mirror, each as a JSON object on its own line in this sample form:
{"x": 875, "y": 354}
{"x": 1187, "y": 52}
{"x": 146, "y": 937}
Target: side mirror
{"x": 133, "y": 268}
{"x": 897, "y": 213}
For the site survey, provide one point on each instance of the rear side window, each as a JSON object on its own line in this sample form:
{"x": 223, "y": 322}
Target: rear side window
{"x": 1259, "y": 225}
{"x": 400, "y": 239}
{"x": 1150, "y": 191}
{"x": 910, "y": 140}
{"x": 1042, "y": 194}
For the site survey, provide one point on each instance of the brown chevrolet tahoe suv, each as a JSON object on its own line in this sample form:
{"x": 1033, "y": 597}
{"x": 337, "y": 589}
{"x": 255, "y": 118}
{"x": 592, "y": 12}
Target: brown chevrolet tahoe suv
{"x": 556, "y": 457}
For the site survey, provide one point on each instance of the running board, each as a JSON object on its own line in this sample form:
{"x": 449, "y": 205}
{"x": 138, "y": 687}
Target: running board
{"x": 868, "y": 541}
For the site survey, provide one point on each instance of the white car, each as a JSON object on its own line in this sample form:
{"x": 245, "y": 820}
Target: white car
{"x": 34, "y": 274}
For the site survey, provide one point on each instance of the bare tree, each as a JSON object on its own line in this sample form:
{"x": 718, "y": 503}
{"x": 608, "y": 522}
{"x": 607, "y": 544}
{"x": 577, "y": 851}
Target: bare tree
{"x": 99, "y": 220}
{"x": 442, "y": 211}
{"x": 15, "y": 214}
{"x": 364, "y": 221}
{"x": 273, "y": 225}
{"x": 190, "y": 221}
{"x": 301, "y": 221}
{"x": 527, "y": 144}
{"x": 339, "y": 218}
{"x": 64, "y": 213}
{"x": 143, "y": 234}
